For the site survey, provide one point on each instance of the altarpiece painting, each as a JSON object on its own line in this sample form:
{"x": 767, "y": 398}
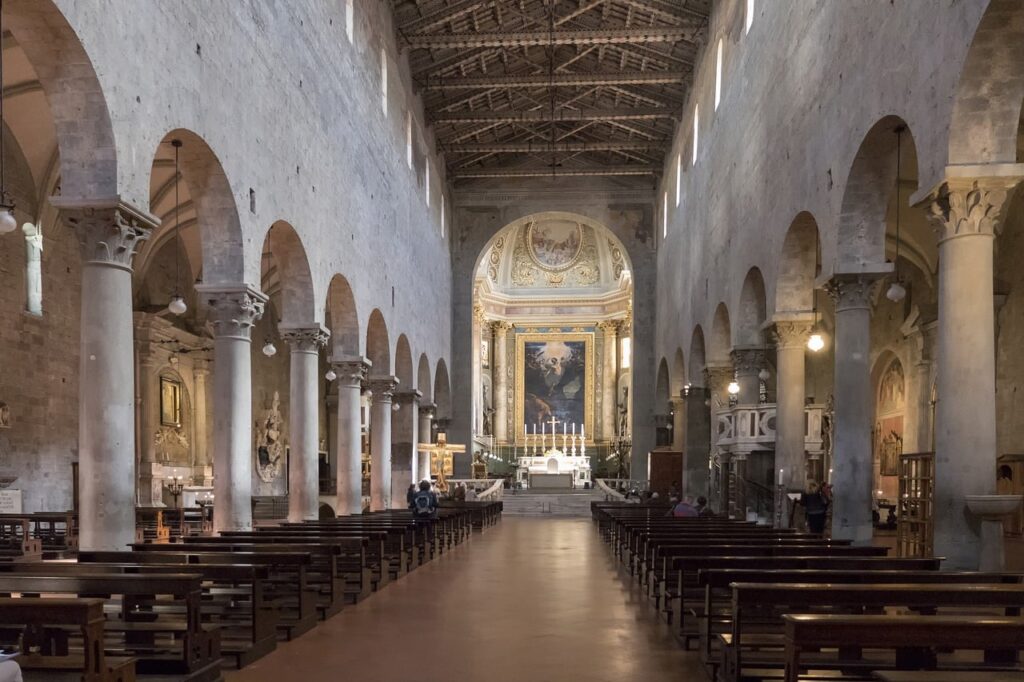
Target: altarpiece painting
{"x": 554, "y": 379}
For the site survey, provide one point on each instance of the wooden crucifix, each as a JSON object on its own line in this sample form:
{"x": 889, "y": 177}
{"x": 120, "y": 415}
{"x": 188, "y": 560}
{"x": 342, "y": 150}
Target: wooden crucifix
{"x": 442, "y": 456}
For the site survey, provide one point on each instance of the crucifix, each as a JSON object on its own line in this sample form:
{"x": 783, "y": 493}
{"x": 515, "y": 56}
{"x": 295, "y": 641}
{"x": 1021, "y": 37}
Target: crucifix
{"x": 441, "y": 459}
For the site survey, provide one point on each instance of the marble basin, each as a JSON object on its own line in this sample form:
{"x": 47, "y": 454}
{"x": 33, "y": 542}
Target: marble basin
{"x": 993, "y": 505}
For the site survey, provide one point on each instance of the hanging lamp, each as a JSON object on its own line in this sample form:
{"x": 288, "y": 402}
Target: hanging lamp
{"x": 816, "y": 341}
{"x": 177, "y": 305}
{"x": 897, "y": 292}
{"x": 7, "y": 221}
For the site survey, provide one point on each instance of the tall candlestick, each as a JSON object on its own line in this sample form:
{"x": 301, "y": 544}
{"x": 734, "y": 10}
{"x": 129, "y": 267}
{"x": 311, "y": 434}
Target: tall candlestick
{"x": 574, "y": 428}
{"x": 582, "y": 434}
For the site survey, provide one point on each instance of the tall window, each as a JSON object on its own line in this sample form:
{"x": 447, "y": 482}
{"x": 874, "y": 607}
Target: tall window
{"x": 718, "y": 75}
{"x": 384, "y": 81}
{"x": 750, "y": 14}
{"x": 679, "y": 177}
{"x": 664, "y": 216}
{"x": 696, "y": 131}
{"x": 408, "y": 138}
{"x": 442, "y": 215}
{"x": 426, "y": 182}
{"x": 350, "y": 19}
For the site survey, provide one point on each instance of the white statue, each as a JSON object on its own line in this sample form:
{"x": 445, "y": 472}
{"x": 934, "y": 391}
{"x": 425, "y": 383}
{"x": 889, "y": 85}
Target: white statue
{"x": 269, "y": 448}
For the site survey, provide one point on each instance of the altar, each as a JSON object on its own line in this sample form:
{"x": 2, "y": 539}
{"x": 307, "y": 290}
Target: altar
{"x": 554, "y": 469}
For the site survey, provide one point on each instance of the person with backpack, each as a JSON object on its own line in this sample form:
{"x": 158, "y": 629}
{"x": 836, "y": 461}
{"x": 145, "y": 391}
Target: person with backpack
{"x": 424, "y": 503}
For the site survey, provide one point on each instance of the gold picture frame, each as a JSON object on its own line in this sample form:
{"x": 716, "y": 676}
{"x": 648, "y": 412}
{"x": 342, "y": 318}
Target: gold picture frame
{"x": 170, "y": 401}
{"x": 587, "y": 338}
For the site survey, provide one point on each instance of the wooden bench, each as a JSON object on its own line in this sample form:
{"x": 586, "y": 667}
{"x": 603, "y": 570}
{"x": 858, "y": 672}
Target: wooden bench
{"x": 42, "y": 626}
{"x": 156, "y": 617}
{"x": 913, "y": 638}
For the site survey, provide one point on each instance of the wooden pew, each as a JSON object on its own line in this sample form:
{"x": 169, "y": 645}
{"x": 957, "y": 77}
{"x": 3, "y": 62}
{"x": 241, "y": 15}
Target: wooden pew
{"x": 913, "y": 638}
{"x": 761, "y": 606}
{"x": 233, "y": 599}
{"x": 164, "y": 635}
{"x": 42, "y": 625}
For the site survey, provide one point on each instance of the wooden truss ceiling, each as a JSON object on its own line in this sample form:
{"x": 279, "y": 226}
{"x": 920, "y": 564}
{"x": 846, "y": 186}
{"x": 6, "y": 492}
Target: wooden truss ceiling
{"x": 521, "y": 88}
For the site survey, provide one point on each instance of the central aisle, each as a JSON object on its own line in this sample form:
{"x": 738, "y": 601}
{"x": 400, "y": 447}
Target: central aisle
{"x": 530, "y": 599}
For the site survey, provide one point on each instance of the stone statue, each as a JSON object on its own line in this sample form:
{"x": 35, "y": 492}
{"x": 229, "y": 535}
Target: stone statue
{"x": 269, "y": 448}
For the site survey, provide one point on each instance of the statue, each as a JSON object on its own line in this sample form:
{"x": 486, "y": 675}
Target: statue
{"x": 479, "y": 465}
{"x": 269, "y": 448}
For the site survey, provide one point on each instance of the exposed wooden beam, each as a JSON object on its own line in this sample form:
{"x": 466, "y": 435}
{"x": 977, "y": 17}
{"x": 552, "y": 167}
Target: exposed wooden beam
{"x": 442, "y": 16}
{"x": 548, "y": 171}
{"x": 542, "y": 115}
{"x": 557, "y": 80}
{"x": 563, "y": 147}
{"x": 651, "y": 34}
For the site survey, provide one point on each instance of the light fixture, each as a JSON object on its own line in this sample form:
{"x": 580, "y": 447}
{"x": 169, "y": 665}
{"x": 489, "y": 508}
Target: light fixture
{"x": 733, "y": 388}
{"x": 331, "y": 375}
{"x": 269, "y": 349}
{"x": 897, "y": 292}
{"x": 395, "y": 407}
{"x": 177, "y": 305}
{"x": 764, "y": 374}
{"x": 816, "y": 342}
{"x": 7, "y": 221}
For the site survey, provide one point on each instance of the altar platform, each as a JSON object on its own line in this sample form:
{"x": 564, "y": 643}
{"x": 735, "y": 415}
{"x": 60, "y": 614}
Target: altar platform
{"x": 554, "y": 469}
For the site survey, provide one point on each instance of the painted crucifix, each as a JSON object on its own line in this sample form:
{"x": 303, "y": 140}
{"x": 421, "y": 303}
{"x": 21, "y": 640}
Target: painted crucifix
{"x": 442, "y": 462}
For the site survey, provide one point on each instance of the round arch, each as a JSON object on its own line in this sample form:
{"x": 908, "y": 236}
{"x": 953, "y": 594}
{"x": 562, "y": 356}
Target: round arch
{"x": 721, "y": 337}
{"x": 678, "y": 373}
{"x": 442, "y": 391}
{"x": 798, "y": 266}
{"x": 423, "y": 382}
{"x": 403, "y": 363}
{"x": 698, "y": 358}
{"x": 342, "y": 319}
{"x": 752, "y": 311}
{"x": 378, "y": 348}
{"x": 285, "y": 273}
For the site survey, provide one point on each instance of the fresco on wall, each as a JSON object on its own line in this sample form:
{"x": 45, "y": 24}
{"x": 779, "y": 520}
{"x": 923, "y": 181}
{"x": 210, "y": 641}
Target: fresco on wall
{"x": 555, "y": 244}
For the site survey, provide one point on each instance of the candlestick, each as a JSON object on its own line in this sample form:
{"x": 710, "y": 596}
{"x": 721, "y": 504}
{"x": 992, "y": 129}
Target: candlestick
{"x": 574, "y": 428}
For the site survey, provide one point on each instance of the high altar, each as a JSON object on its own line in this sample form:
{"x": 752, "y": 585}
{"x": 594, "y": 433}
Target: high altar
{"x": 554, "y": 469}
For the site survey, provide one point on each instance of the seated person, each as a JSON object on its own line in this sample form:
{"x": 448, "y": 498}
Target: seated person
{"x": 424, "y": 503}
{"x": 684, "y": 509}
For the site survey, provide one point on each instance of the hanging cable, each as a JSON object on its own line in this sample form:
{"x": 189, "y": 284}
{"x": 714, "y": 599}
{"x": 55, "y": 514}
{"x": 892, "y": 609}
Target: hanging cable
{"x": 7, "y": 221}
{"x": 177, "y": 305}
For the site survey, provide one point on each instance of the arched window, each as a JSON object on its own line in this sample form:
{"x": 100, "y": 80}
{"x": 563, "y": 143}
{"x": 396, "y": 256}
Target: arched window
{"x": 750, "y": 15}
{"x": 426, "y": 181}
{"x": 384, "y": 81}
{"x": 408, "y": 138}
{"x": 679, "y": 178}
{"x": 664, "y": 217}
{"x": 718, "y": 75}
{"x": 696, "y": 131}
{"x": 442, "y": 215}
{"x": 350, "y": 19}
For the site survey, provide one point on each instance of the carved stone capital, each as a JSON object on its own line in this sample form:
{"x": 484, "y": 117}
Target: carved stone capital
{"x": 965, "y": 207}
{"x": 717, "y": 377}
{"x": 791, "y": 333}
{"x": 852, "y": 292}
{"x": 233, "y": 309}
{"x": 351, "y": 371}
{"x": 383, "y": 388}
{"x": 610, "y": 327}
{"x": 408, "y": 396}
{"x": 748, "y": 361}
{"x": 428, "y": 410}
{"x": 500, "y": 327}
{"x": 305, "y": 339}
{"x": 108, "y": 234}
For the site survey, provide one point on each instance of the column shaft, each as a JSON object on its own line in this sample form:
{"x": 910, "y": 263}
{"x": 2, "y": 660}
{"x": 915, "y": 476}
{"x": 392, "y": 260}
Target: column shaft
{"x": 501, "y": 392}
{"x": 425, "y": 436}
{"x": 404, "y": 425}
{"x": 609, "y": 391}
{"x": 380, "y": 442}
{"x": 791, "y": 394}
{"x": 201, "y": 463}
{"x": 304, "y": 421}
{"x": 149, "y": 493}
{"x": 349, "y": 448}
{"x": 696, "y": 443}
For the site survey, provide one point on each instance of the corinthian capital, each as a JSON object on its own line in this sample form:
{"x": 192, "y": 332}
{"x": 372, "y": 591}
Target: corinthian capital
{"x": 107, "y": 234}
{"x": 383, "y": 388}
{"x": 610, "y": 327}
{"x": 791, "y": 333}
{"x": 500, "y": 326}
{"x": 748, "y": 361}
{"x": 969, "y": 207}
{"x": 233, "y": 308}
{"x": 351, "y": 371}
{"x": 717, "y": 377}
{"x": 852, "y": 292}
{"x": 305, "y": 339}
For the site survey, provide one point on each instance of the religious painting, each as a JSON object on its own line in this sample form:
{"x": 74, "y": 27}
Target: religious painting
{"x": 890, "y": 445}
{"x": 889, "y": 408}
{"x": 554, "y": 244}
{"x": 170, "y": 401}
{"x": 554, "y": 383}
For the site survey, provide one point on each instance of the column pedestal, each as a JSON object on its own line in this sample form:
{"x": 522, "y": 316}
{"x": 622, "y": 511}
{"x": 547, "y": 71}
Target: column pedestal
{"x": 351, "y": 373}
{"x": 383, "y": 388}
{"x": 233, "y": 310}
{"x": 304, "y": 420}
{"x": 109, "y": 236}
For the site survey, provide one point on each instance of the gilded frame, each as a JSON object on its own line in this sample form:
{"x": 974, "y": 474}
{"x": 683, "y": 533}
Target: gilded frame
{"x": 588, "y": 370}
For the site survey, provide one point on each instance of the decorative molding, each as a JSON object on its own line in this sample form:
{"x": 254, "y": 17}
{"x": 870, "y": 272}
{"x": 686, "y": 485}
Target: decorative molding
{"x": 305, "y": 339}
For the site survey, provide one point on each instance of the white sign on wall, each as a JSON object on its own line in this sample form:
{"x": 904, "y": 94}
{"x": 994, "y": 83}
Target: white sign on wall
{"x": 10, "y": 501}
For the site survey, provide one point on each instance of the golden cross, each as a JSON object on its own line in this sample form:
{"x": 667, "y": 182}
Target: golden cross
{"x": 441, "y": 455}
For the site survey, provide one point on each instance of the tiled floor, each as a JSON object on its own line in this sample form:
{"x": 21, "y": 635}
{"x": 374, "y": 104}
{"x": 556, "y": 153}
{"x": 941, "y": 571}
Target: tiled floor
{"x": 530, "y": 599}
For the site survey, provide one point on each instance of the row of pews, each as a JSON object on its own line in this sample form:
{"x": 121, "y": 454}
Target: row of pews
{"x": 185, "y": 610}
{"x": 761, "y": 603}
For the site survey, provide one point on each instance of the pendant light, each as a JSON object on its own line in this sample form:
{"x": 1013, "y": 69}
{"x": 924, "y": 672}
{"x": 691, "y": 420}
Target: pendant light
{"x": 269, "y": 349}
{"x": 816, "y": 341}
{"x": 331, "y": 375}
{"x": 177, "y": 305}
{"x": 897, "y": 292}
{"x": 7, "y": 220}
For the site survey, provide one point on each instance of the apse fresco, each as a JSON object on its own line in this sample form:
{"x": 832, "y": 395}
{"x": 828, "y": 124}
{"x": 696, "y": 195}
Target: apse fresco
{"x": 554, "y": 384}
{"x": 555, "y": 244}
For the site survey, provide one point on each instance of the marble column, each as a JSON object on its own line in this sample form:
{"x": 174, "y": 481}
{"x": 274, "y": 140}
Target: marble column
{"x": 501, "y": 372}
{"x": 202, "y": 467}
{"x": 748, "y": 363}
{"x": 348, "y": 450}
{"x": 404, "y": 427}
{"x": 233, "y": 311}
{"x": 791, "y": 335}
{"x": 304, "y": 344}
{"x": 109, "y": 237}
{"x": 383, "y": 388}
{"x": 716, "y": 379}
{"x": 852, "y": 475}
{"x": 610, "y": 373}
{"x": 150, "y": 493}
{"x": 696, "y": 441}
{"x": 425, "y": 436}
{"x": 678, "y": 422}
{"x": 966, "y": 214}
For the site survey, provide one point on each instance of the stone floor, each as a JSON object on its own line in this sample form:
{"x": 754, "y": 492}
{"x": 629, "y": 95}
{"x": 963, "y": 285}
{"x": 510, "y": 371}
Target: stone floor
{"x": 531, "y": 599}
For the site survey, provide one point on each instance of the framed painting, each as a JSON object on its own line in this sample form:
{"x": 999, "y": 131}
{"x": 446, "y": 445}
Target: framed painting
{"x": 554, "y": 381}
{"x": 170, "y": 401}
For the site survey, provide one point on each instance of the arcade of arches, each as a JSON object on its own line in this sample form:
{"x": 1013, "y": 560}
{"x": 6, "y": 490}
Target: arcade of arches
{"x": 741, "y": 248}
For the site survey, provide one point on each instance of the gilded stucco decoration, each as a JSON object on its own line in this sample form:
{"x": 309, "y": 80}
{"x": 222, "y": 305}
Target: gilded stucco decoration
{"x": 494, "y": 259}
{"x": 618, "y": 261}
{"x": 555, "y": 254}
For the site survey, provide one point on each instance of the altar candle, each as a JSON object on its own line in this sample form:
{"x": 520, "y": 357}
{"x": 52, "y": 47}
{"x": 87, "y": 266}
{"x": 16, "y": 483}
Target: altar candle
{"x": 583, "y": 436}
{"x": 565, "y": 428}
{"x": 830, "y": 476}
{"x": 574, "y": 428}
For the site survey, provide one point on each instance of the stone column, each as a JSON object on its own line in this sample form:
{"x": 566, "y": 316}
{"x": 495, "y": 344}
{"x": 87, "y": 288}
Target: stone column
{"x": 233, "y": 311}
{"x": 383, "y": 388}
{"x": 501, "y": 371}
{"x": 202, "y": 469}
{"x": 304, "y": 420}
{"x": 854, "y": 408}
{"x": 150, "y": 493}
{"x": 610, "y": 372}
{"x": 717, "y": 378}
{"x": 748, "y": 363}
{"x": 426, "y": 417}
{"x": 791, "y": 337}
{"x": 678, "y": 423}
{"x": 404, "y": 427}
{"x": 109, "y": 236}
{"x": 696, "y": 441}
{"x": 966, "y": 214}
{"x": 348, "y": 450}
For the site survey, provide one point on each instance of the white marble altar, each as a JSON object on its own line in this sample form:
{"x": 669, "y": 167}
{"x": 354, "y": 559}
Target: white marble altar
{"x": 555, "y": 461}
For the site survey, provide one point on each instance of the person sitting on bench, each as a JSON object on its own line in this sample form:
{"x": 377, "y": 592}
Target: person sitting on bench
{"x": 424, "y": 503}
